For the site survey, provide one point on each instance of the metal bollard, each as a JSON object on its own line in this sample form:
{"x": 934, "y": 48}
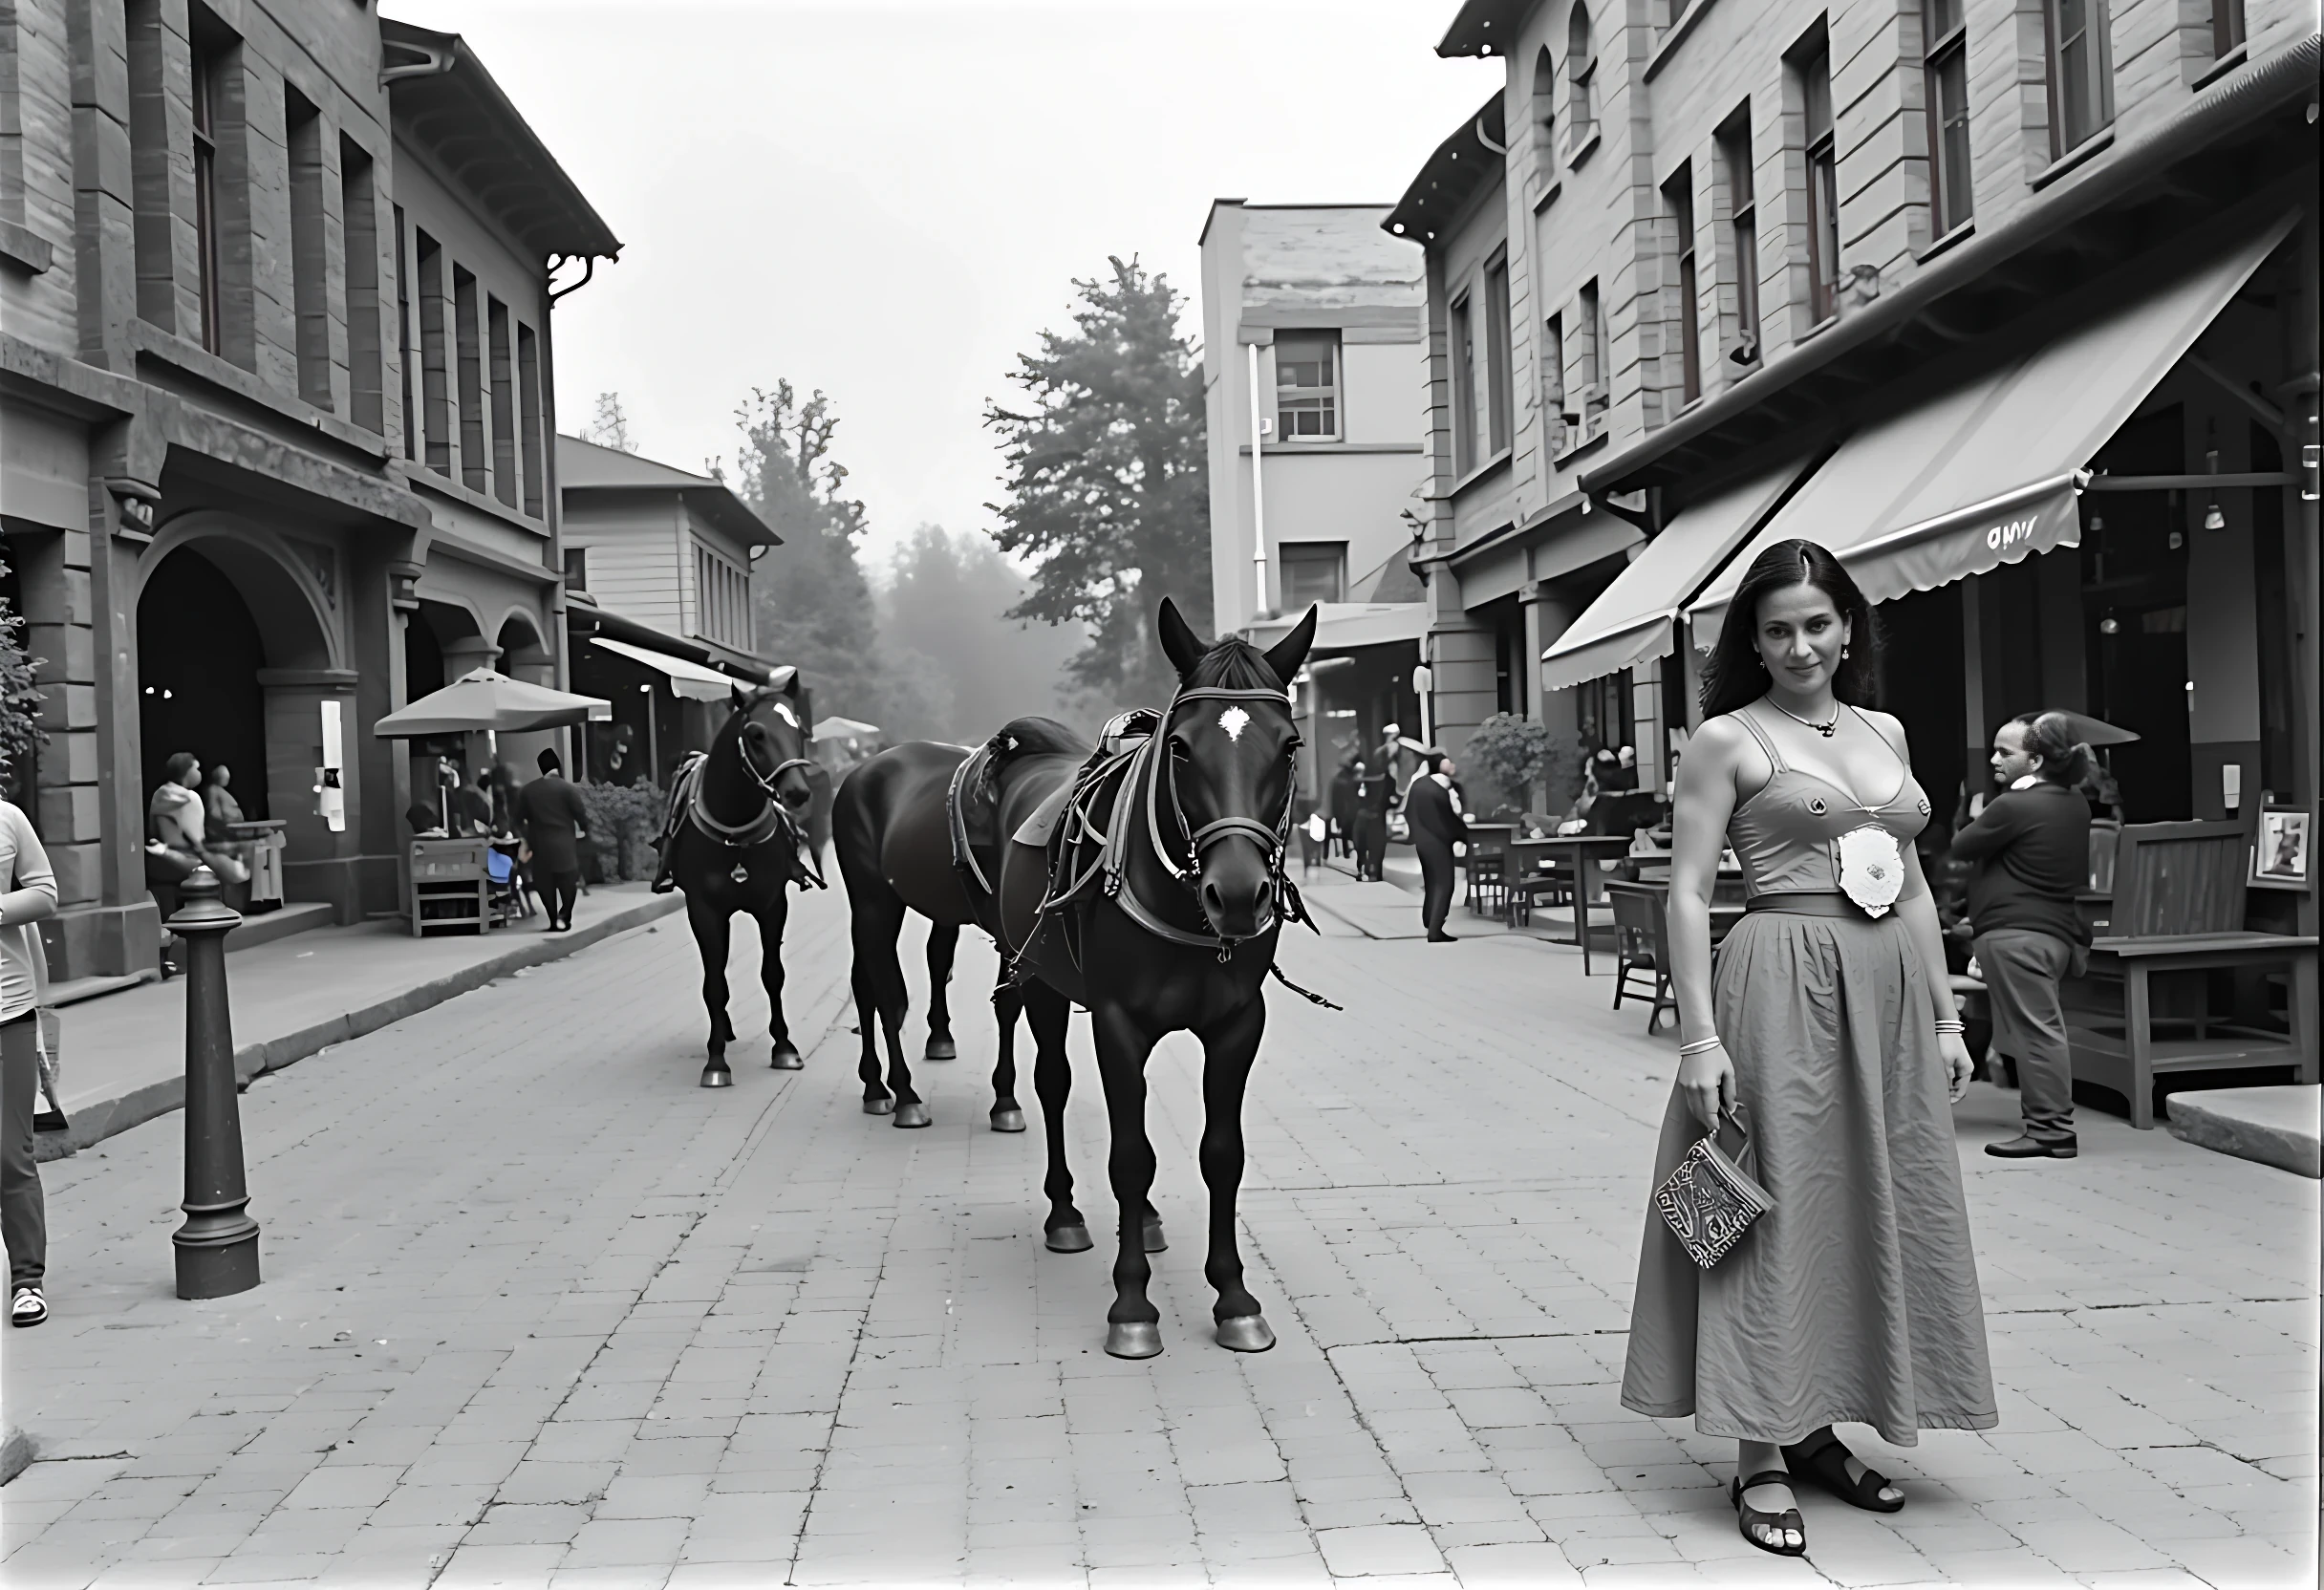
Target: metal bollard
{"x": 218, "y": 1245}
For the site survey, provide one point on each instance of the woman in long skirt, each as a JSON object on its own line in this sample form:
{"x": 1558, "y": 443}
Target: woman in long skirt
{"x": 1830, "y": 1034}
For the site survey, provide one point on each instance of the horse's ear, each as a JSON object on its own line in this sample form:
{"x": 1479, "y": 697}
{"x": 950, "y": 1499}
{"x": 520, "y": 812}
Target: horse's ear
{"x": 1179, "y": 642}
{"x": 1286, "y": 655}
{"x": 785, "y": 679}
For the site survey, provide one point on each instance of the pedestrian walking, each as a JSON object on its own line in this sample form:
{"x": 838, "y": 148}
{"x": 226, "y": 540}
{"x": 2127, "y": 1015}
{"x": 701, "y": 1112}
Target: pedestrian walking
{"x": 1433, "y": 808}
{"x": 28, "y": 894}
{"x": 1375, "y": 793}
{"x": 1831, "y": 1040}
{"x": 2030, "y": 852}
{"x": 554, "y": 824}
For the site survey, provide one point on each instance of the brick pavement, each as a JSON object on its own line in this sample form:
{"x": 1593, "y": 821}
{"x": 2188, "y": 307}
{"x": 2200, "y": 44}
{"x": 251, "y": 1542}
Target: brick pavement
{"x": 540, "y": 1311}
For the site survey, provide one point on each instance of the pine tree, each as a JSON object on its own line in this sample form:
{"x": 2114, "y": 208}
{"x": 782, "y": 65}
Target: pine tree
{"x": 610, "y": 428}
{"x": 1107, "y": 488}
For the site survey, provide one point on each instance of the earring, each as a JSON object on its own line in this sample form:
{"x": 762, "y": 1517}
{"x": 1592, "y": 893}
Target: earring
{"x": 1843, "y": 653}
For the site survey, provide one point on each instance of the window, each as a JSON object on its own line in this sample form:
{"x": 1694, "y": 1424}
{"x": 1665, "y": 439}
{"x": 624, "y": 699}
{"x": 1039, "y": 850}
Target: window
{"x": 576, "y": 569}
{"x": 1553, "y": 383}
{"x": 406, "y": 360}
{"x": 528, "y": 413}
{"x": 359, "y": 210}
{"x": 1544, "y": 117}
{"x": 1823, "y": 183}
{"x": 1605, "y": 714}
{"x": 1945, "y": 74}
{"x": 1497, "y": 396}
{"x": 149, "y": 166}
{"x": 434, "y": 364}
{"x": 1313, "y": 571}
{"x": 1464, "y": 390}
{"x": 721, "y": 600}
{"x": 475, "y": 471}
{"x": 1678, "y": 199}
{"x": 1733, "y": 145}
{"x": 208, "y": 281}
{"x": 1306, "y": 386}
{"x": 2081, "y": 93}
{"x": 310, "y": 265}
{"x": 503, "y": 401}
{"x": 1581, "y": 63}
{"x": 1595, "y": 361}
{"x": 2227, "y": 28}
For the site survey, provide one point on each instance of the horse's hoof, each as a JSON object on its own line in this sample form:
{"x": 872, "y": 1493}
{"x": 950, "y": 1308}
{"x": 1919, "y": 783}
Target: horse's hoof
{"x": 1245, "y": 1333}
{"x": 1134, "y": 1338}
{"x": 1069, "y": 1240}
{"x": 1155, "y": 1243}
{"x": 786, "y": 1057}
{"x": 942, "y": 1048}
{"x": 913, "y": 1114}
{"x": 717, "y": 1076}
{"x": 880, "y": 1106}
{"x": 1008, "y": 1120}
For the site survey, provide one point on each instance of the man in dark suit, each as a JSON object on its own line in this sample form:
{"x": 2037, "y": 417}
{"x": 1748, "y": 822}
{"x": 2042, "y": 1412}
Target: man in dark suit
{"x": 1432, "y": 808}
{"x": 549, "y": 812}
{"x": 1374, "y": 792}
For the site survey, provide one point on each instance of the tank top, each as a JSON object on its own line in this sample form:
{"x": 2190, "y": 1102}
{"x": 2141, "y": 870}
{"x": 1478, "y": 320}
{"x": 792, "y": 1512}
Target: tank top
{"x": 1787, "y": 836}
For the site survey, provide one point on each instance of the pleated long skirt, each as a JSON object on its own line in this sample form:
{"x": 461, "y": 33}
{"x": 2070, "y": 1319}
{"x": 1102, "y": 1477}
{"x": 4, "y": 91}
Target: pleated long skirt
{"x": 1854, "y": 1299}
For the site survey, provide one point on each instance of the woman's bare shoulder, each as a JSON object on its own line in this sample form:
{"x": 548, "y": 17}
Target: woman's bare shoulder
{"x": 1890, "y": 726}
{"x": 1722, "y": 737}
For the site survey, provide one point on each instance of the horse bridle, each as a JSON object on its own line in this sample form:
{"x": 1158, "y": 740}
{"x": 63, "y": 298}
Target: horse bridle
{"x": 747, "y": 834}
{"x": 1275, "y": 841}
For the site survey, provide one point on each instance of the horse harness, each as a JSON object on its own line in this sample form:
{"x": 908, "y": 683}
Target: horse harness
{"x": 1142, "y": 778}
{"x": 686, "y": 798}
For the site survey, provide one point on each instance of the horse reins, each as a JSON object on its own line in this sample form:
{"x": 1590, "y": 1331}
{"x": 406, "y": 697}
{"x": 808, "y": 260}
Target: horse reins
{"x": 773, "y": 816}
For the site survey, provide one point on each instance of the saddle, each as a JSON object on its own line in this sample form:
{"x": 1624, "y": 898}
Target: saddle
{"x": 685, "y": 807}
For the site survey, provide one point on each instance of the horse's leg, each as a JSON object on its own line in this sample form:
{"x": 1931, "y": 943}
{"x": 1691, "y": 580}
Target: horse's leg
{"x": 1008, "y": 1004}
{"x": 943, "y": 939}
{"x": 771, "y": 918}
{"x": 1228, "y": 1050}
{"x": 875, "y": 919}
{"x": 1133, "y": 1326}
{"x": 712, "y": 937}
{"x": 1046, "y": 1012}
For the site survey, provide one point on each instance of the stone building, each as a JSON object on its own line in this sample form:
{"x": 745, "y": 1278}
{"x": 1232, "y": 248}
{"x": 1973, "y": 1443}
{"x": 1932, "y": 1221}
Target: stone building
{"x": 2013, "y": 303}
{"x": 1315, "y": 384}
{"x": 276, "y": 380}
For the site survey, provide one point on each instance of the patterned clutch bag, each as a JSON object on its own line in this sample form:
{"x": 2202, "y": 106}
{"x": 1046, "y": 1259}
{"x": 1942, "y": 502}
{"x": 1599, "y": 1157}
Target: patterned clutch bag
{"x": 1710, "y": 1200}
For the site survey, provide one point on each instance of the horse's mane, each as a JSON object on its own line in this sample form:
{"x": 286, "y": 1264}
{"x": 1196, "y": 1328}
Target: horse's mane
{"x": 1233, "y": 664}
{"x": 1033, "y": 737}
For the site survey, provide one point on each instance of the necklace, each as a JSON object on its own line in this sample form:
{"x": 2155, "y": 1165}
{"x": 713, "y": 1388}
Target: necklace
{"x": 1824, "y": 729}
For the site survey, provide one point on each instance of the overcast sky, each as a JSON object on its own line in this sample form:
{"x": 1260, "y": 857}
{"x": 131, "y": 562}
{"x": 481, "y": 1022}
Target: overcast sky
{"x": 888, "y": 200}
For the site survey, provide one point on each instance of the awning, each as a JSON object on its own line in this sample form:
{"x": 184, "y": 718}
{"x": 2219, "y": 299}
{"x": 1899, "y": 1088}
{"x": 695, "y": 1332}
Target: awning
{"x": 1344, "y": 626}
{"x": 1986, "y": 472}
{"x": 688, "y": 679}
{"x": 1629, "y": 623}
{"x": 845, "y": 728}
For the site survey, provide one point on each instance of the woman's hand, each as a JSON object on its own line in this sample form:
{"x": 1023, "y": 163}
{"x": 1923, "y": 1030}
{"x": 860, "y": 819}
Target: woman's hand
{"x": 1957, "y": 1063}
{"x": 1707, "y": 1079}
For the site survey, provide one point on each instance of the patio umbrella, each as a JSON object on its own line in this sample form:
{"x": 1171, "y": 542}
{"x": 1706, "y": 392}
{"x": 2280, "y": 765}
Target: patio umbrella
{"x": 483, "y": 701}
{"x": 845, "y": 729}
{"x": 2096, "y": 731}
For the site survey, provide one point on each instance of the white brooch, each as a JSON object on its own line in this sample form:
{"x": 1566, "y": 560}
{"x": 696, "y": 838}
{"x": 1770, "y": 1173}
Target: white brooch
{"x": 1871, "y": 867}
{"x": 1234, "y": 721}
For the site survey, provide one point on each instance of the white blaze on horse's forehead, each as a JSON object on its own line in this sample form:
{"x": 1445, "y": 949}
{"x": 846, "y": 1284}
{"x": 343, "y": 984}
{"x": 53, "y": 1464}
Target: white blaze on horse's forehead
{"x": 1234, "y": 721}
{"x": 788, "y": 717}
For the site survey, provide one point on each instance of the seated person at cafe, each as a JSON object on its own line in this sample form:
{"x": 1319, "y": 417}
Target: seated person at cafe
{"x": 472, "y": 805}
{"x": 179, "y": 829}
{"x": 218, "y": 801}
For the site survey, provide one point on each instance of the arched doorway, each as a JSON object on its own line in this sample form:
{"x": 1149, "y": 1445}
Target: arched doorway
{"x": 199, "y": 655}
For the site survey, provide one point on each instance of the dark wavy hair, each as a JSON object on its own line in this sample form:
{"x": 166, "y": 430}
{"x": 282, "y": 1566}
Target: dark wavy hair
{"x": 1735, "y": 676}
{"x": 2050, "y": 735}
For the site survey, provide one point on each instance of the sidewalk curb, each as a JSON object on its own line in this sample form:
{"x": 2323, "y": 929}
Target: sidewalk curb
{"x": 2268, "y": 1125}
{"x": 94, "y": 1122}
{"x": 16, "y": 1453}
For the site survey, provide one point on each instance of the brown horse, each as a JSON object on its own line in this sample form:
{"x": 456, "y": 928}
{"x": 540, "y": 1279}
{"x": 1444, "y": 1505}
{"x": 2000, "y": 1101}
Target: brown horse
{"x": 1157, "y": 906}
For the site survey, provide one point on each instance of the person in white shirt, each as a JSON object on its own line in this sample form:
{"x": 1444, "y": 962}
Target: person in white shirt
{"x": 28, "y": 893}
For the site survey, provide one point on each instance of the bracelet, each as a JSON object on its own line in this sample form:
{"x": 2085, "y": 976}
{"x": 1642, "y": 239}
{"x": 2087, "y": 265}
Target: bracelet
{"x": 1944, "y": 1027}
{"x": 1701, "y": 1045}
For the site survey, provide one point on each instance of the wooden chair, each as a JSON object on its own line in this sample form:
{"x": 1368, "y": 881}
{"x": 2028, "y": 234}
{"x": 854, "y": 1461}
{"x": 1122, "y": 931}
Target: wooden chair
{"x": 1642, "y": 948}
{"x": 2145, "y": 1007}
{"x": 1488, "y": 864}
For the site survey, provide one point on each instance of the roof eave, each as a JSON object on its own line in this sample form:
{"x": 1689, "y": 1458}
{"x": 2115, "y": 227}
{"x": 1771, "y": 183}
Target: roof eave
{"x": 1452, "y": 172}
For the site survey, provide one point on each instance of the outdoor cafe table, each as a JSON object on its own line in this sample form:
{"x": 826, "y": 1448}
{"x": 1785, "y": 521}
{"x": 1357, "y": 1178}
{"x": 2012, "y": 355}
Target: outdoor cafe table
{"x": 1587, "y": 855}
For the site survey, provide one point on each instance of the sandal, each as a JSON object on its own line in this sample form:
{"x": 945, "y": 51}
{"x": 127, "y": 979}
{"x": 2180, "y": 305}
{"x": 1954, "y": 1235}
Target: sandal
{"x": 1822, "y": 1460}
{"x": 1749, "y": 1520}
{"x": 28, "y": 1308}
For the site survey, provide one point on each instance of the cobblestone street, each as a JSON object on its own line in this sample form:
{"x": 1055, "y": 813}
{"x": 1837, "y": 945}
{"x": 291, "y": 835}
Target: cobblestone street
{"x": 540, "y": 1311}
